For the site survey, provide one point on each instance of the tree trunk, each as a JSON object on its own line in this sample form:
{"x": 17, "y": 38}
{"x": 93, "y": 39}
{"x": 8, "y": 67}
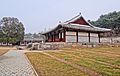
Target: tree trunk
{"x": 7, "y": 41}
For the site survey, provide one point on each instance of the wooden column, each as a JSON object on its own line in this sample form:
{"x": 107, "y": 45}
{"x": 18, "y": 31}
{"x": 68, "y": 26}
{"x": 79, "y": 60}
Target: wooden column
{"x": 52, "y": 37}
{"x": 64, "y": 35}
{"x": 45, "y": 36}
{"x": 60, "y": 36}
{"x": 77, "y": 36}
{"x": 48, "y": 37}
{"x": 56, "y": 36}
{"x": 89, "y": 36}
{"x": 99, "y": 37}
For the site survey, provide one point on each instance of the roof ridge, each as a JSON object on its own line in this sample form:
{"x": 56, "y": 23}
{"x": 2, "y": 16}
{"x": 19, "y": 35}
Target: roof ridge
{"x": 79, "y": 15}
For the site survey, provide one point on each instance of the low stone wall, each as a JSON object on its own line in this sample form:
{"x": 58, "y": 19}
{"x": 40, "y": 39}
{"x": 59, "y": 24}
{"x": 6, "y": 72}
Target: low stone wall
{"x": 55, "y": 46}
{"x": 114, "y": 41}
{"x": 110, "y": 40}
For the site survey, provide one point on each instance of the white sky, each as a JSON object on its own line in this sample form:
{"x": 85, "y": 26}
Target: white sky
{"x": 37, "y": 15}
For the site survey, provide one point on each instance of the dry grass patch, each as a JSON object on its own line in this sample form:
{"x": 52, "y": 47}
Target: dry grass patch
{"x": 104, "y": 60}
{"x": 46, "y": 66}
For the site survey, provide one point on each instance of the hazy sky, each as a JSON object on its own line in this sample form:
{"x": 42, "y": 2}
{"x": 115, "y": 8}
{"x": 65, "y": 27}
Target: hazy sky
{"x": 37, "y": 15}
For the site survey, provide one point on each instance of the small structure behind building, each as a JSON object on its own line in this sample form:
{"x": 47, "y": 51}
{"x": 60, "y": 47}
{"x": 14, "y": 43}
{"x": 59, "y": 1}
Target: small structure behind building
{"x": 28, "y": 40}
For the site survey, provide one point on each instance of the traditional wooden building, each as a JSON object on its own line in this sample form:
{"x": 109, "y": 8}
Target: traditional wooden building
{"x": 77, "y": 30}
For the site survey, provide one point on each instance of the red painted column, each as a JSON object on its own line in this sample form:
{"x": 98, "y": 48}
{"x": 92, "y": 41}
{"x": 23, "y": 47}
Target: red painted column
{"x": 48, "y": 38}
{"x": 99, "y": 37}
{"x": 89, "y": 36}
{"x": 52, "y": 35}
{"x": 64, "y": 35}
{"x": 60, "y": 36}
{"x": 77, "y": 36}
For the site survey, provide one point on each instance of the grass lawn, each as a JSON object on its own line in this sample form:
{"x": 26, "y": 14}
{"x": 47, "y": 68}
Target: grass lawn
{"x": 103, "y": 60}
{"x": 46, "y": 66}
{"x": 3, "y": 50}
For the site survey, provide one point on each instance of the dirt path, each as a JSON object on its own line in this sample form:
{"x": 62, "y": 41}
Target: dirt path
{"x": 81, "y": 68}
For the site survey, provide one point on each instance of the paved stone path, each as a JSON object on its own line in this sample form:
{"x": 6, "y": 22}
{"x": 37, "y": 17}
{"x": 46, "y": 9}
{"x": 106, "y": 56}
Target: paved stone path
{"x": 14, "y": 63}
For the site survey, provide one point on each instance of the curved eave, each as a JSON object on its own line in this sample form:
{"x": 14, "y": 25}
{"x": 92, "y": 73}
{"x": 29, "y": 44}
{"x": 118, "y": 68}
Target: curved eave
{"x": 103, "y": 29}
{"x": 51, "y": 30}
{"x": 80, "y": 27}
{"x": 84, "y": 28}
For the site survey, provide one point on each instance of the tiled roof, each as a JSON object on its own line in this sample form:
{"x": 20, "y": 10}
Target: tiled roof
{"x": 81, "y": 27}
{"x": 89, "y": 27}
{"x": 85, "y": 27}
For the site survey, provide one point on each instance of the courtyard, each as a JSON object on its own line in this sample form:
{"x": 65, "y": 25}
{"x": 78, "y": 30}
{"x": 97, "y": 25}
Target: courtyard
{"x": 98, "y": 61}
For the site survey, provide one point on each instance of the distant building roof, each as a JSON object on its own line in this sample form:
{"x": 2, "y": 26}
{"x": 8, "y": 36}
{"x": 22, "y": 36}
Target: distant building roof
{"x": 33, "y": 39}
